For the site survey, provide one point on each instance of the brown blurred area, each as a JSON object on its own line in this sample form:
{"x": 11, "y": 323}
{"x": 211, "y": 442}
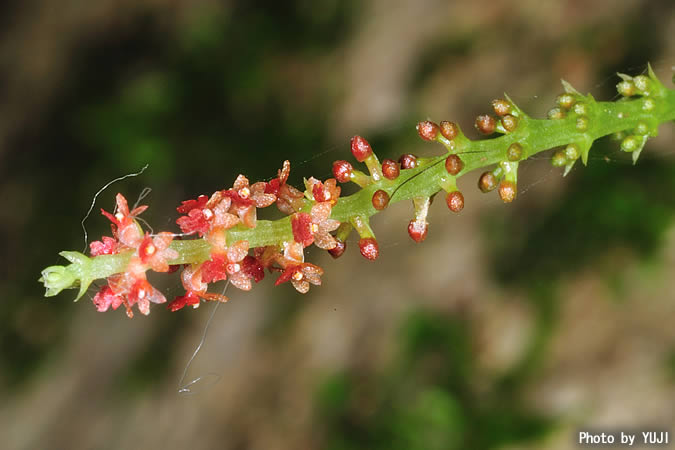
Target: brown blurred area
{"x": 560, "y": 321}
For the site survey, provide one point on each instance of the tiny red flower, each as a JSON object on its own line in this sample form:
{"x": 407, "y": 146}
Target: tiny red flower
{"x": 195, "y": 287}
{"x": 246, "y": 198}
{"x": 106, "y": 246}
{"x": 289, "y": 199}
{"x": 274, "y": 185}
{"x": 301, "y": 223}
{"x": 315, "y": 227}
{"x": 214, "y": 269}
{"x": 133, "y": 286}
{"x": 301, "y": 275}
{"x": 323, "y": 192}
{"x": 105, "y": 298}
{"x": 155, "y": 252}
{"x": 252, "y": 267}
{"x": 204, "y": 214}
{"x": 189, "y": 299}
{"x": 125, "y": 228}
{"x": 228, "y": 263}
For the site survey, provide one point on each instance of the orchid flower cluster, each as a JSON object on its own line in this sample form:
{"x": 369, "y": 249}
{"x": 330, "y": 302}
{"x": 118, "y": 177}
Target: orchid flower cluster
{"x": 230, "y": 243}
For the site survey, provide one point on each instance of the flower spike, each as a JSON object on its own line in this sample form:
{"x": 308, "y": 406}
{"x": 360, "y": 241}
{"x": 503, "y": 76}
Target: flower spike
{"x": 228, "y": 242}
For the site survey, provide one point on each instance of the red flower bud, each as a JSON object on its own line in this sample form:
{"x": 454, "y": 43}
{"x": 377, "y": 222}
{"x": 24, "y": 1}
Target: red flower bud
{"x": 455, "y": 201}
{"x": 449, "y": 130}
{"x": 369, "y": 248}
{"x": 507, "y": 191}
{"x": 427, "y": 130}
{"x": 502, "y": 107}
{"x": 380, "y": 199}
{"x": 485, "y": 124}
{"x": 454, "y": 164}
{"x": 487, "y": 182}
{"x": 390, "y": 169}
{"x": 361, "y": 149}
{"x": 338, "y": 250}
{"x": 408, "y": 161}
{"x": 514, "y": 152}
{"x": 418, "y": 229}
{"x": 509, "y": 122}
{"x": 342, "y": 171}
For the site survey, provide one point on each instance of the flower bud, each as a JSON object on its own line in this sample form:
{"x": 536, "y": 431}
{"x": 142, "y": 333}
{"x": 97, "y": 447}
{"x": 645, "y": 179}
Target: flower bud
{"x": 571, "y": 152}
{"x": 55, "y": 279}
{"x": 648, "y": 104}
{"x": 582, "y": 123}
{"x": 455, "y": 201}
{"x": 380, "y": 199}
{"x": 507, "y": 191}
{"x": 514, "y": 152}
{"x": 502, "y": 107}
{"x": 418, "y": 229}
{"x": 342, "y": 171}
{"x": 509, "y": 122}
{"x": 580, "y": 108}
{"x": 427, "y": 130}
{"x": 630, "y": 144}
{"x": 454, "y": 164}
{"x": 555, "y": 113}
{"x": 626, "y": 88}
{"x": 369, "y": 248}
{"x": 565, "y": 101}
{"x": 642, "y": 83}
{"x": 449, "y": 130}
{"x": 559, "y": 159}
{"x": 487, "y": 182}
{"x": 641, "y": 129}
{"x": 390, "y": 169}
{"x": 485, "y": 124}
{"x": 361, "y": 149}
{"x": 408, "y": 161}
{"x": 338, "y": 250}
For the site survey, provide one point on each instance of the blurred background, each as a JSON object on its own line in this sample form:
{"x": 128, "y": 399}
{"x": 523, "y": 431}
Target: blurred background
{"x": 509, "y": 327}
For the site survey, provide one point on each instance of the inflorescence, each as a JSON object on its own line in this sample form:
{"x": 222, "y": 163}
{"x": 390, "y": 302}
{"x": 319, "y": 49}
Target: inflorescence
{"x": 232, "y": 244}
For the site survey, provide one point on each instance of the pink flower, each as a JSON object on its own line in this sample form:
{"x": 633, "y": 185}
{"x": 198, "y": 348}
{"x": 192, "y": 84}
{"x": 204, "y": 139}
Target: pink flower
{"x": 155, "y": 252}
{"x": 315, "y": 227}
{"x": 134, "y": 289}
{"x": 300, "y": 276}
{"x": 323, "y": 192}
{"x": 125, "y": 228}
{"x": 246, "y": 198}
{"x": 289, "y": 199}
{"x": 189, "y": 299}
{"x": 105, "y": 298}
{"x": 106, "y": 246}
{"x": 205, "y": 214}
{"x": 195, "y": 288}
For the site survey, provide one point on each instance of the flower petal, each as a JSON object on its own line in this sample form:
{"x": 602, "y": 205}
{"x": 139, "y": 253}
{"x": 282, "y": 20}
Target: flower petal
{"x": 301, "y": 286}
{"x": 237, "y": 251}
{"x": 324, "y": 240}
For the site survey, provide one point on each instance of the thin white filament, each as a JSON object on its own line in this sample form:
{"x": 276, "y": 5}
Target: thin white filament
{"x": 186, "y": 388}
